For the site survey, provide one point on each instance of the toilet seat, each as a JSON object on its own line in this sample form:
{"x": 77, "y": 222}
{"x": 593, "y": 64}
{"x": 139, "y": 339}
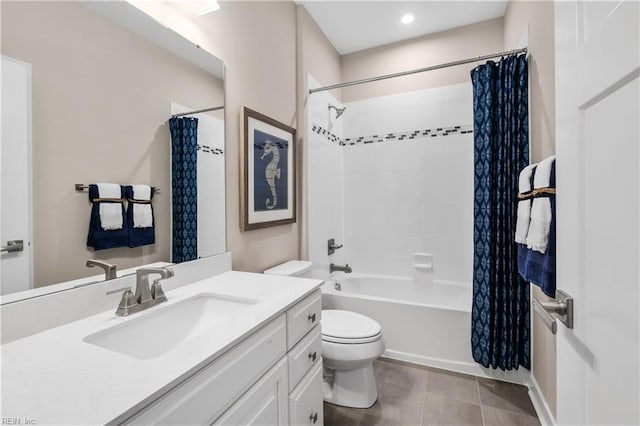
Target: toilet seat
{"x": 348, "y": 341}
{"x": 347, "y": 327}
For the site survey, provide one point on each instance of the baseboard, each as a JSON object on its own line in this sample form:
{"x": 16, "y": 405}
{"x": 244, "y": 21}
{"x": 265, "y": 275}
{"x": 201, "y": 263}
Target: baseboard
{"x": 540, "y": 404}
{"x": 520, "y": 377}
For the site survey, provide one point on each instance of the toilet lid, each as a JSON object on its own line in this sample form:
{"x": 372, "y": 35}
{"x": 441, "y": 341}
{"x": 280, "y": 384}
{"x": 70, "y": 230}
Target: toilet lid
{"x": 348, "y": 325}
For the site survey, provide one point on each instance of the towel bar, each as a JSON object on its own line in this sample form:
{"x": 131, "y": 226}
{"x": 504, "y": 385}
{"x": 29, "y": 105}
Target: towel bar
{"x": 79, "y": 187}
{"x": 563, "y": 308}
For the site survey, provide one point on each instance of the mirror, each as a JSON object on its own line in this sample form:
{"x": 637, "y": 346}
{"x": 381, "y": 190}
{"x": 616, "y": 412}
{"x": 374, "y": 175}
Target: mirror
{"x": 91, "y": 87}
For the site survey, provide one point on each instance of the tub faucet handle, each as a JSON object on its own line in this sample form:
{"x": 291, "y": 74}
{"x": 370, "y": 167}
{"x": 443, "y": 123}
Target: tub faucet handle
{"x": 332, "y": 246}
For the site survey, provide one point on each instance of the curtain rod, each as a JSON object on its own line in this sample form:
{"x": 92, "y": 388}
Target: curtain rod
{"x": 419, "y": 70}
{"x": 197, "y": 111}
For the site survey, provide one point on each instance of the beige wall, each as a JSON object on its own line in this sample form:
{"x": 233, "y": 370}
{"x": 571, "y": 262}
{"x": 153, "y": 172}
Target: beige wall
{"x": 257, "y": 42}
{"x": 537, "y": 17}
{"x": 446, "y": 46}
{"x": 101, "y": 100}
{"x": 317, "y": 57}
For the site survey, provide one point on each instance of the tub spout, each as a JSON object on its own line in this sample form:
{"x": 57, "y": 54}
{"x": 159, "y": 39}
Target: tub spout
{"x": 335, "y": 268}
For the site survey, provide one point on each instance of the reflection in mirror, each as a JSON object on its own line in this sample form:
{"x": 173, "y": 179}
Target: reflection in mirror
{"x": 86, "y": 100}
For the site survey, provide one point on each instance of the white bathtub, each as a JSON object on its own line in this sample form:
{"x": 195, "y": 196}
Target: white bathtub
{"x": 425, "y": 323}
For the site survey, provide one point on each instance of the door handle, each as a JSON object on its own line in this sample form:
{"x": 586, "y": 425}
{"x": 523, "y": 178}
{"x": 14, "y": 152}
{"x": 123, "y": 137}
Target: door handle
{"x": 562, "y": 307}
{"x": 12, "y": 245}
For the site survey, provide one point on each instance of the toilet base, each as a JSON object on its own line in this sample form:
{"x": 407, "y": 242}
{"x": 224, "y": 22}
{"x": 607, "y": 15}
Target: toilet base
{"x": 352, "y": 388}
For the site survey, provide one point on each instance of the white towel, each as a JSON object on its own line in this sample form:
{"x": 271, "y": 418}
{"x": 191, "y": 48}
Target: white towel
{"x": 524, "y": 206}
{"x": 142, "y": 214}
{"x": 110, "y": 213}
{"x": 538, "y": 235}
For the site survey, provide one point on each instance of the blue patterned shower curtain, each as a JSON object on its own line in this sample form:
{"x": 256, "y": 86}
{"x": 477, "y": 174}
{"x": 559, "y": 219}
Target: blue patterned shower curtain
{"x": 184, "y": 185}
{"x": 500, "y": 313}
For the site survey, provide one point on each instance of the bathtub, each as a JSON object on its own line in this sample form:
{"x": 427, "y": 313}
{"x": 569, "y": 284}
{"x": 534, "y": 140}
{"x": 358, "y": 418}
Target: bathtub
{"x": 426, "y": 323}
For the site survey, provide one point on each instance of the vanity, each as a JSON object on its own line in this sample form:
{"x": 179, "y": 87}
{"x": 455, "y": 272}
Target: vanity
{"x": 235, "y": 348}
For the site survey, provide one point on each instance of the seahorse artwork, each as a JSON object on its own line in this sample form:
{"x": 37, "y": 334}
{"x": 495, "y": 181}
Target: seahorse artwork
{"x": 271, "y": 172}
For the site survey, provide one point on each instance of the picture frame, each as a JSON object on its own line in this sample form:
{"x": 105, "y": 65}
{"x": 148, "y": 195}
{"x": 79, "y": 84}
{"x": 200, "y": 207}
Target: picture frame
{"x": 268, "y": 172}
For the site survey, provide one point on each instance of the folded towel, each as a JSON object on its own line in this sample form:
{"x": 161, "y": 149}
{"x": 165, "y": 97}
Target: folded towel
{"x": 142, "y": 214}
{"x": 538, "y": 268}
{"x": 98, "y": 237}
{"x": 538, "y": 235}
{"x": 110, "y": 213}
{"x": 524, "y": 206}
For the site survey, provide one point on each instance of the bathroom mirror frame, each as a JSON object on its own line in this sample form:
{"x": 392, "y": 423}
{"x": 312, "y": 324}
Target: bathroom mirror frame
{"x": 133, "y": 20}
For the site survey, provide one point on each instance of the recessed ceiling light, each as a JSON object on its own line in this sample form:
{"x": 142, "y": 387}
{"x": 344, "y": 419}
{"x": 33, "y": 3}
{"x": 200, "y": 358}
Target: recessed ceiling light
{"x": 408, "y": 18}
{"x": 202, "y": 7}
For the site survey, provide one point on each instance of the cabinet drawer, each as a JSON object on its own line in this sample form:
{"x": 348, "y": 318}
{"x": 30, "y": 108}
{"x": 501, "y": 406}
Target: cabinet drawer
{"x": 204, "y": 397}
{"x": 303, "y": 317}
{"x": 304, "y": 355}
{"x": 305, "y": 402}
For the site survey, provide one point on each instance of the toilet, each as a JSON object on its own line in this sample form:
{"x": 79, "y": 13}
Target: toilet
{"x": 350, "y": 344}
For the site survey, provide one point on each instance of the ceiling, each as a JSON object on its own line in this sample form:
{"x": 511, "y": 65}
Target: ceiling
{"x": 352, "y": 26}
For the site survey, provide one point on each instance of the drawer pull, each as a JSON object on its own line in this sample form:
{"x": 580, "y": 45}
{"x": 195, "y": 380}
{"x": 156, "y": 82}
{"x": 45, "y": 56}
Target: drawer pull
{"x": 314, "y": 417}
{"x": 312, "y": 356}
{"x": 312, "y": 317}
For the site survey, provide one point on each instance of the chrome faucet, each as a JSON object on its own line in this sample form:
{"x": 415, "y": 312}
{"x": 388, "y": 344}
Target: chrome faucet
{"x": 109, "y": 268}
{"x": 145, "y": 296}
{"x": 337, "y": 268}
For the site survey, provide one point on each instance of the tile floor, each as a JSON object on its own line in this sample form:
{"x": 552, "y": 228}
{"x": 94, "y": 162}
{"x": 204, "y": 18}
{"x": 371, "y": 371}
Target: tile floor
{"x": 412, "y": 395}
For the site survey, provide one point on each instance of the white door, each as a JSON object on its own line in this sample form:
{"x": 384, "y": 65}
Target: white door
{"x": 597, "y": 139}
{"x": 15, "y": 153}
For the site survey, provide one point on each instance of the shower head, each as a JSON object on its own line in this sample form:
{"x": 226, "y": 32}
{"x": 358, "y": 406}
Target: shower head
{"x": 339, "y": 111}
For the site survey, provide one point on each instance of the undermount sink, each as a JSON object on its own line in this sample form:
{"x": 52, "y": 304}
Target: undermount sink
{"x": 157, "y": 332}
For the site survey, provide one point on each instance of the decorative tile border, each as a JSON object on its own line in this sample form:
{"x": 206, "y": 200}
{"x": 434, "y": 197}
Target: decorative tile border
{"x": 327, "y": 134}
{"x": 392, "y": 137}
{"x": 209, "y": 150}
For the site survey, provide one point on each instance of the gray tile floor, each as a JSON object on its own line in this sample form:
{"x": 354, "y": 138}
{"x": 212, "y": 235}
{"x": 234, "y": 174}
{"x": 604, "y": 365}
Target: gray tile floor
{"x": 412, "y": 395}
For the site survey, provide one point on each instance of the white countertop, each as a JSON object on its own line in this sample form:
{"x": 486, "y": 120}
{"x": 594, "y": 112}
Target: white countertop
{"x": 55, "y": 377}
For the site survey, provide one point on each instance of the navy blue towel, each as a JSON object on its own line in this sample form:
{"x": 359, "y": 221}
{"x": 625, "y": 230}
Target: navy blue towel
{"x": 98, "y": 238}
{"x": 139, "y": 236}
{"x": 534, "y": 266}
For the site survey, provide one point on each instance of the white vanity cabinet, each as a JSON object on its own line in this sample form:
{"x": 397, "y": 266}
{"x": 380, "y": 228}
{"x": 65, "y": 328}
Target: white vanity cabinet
{"x": 305, "y": 362}
{"x": 273, "y": 377}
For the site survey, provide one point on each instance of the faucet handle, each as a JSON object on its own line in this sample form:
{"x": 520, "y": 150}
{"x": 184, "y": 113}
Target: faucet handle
{"x": 332, "y": 246}
{"x": 127, "y": 301}
{"x": 156, "y": 291}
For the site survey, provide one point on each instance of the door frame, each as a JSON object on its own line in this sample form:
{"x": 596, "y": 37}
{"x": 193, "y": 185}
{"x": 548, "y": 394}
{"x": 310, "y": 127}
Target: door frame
{"x": 28, "y": 245}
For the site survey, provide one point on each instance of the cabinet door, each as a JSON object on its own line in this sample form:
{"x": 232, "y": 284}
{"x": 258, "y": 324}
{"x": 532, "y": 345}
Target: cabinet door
{"x": 206, "y": 395}
{"x": 265, "y": 403}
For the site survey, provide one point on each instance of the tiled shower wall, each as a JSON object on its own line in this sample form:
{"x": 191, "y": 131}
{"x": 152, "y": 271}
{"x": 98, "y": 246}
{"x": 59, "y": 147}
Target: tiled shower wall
{"x": 325, "y": 180}
{"x": 404, "y": 166}
{"x": 415, "y": 194}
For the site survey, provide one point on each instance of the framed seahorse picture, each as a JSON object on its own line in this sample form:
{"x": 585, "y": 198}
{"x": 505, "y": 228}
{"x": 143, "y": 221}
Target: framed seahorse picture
{"x": 268, "y": 172}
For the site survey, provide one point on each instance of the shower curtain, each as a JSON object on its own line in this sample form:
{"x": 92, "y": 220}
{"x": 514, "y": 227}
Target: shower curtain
{"x": 500, "y": 312}
{"x": 184, "y": 186}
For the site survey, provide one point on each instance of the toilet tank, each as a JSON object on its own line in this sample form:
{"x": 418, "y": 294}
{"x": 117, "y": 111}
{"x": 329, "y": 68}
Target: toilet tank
{"x": 291, "y": 268}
